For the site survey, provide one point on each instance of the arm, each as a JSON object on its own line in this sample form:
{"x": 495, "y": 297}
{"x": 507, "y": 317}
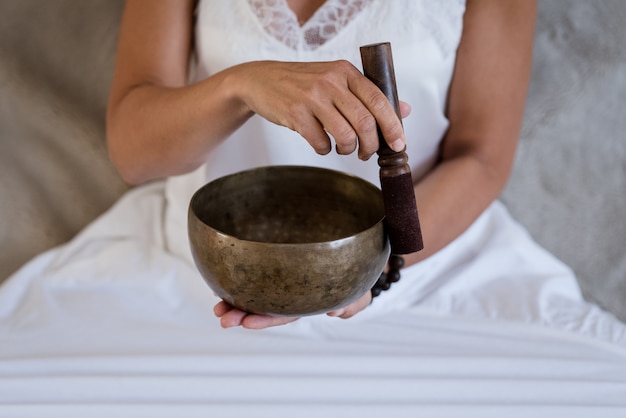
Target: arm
{"x": 485, "y": 110}
{"x": 157, "y": 125}
{"x": 150, "y": 103}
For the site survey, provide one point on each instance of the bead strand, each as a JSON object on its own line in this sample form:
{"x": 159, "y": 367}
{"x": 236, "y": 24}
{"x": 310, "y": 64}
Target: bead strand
{"x": 386, "y": 279}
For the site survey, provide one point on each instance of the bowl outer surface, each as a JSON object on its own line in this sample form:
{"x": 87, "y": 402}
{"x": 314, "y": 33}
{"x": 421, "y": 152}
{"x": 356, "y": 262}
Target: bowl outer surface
{"x": 293, "y": 278}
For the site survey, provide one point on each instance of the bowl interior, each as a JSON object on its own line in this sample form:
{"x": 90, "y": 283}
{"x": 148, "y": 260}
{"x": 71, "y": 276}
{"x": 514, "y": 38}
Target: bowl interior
{"x": 289, "y": 205}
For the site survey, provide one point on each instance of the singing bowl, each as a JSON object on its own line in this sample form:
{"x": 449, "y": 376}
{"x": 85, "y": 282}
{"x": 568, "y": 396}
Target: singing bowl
{"x": 288, "y": 240}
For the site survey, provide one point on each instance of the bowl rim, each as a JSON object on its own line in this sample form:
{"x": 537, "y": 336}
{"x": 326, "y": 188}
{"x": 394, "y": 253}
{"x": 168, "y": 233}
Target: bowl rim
{"x": 331, "y": 243}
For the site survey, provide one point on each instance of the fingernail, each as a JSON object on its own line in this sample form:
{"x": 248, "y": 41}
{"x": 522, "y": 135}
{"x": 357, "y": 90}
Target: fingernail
{"x": 397, "y": 145}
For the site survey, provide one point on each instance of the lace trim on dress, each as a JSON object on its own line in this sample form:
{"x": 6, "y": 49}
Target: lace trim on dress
{"x": 279, "y": 21}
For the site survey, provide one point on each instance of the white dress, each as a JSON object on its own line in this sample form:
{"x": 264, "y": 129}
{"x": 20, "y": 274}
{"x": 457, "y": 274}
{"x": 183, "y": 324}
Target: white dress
{"x": 118, "y": 321}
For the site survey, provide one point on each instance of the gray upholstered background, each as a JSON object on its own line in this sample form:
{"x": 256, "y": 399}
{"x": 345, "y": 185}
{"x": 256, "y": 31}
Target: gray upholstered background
{"x": 569, "y": 182}
{"x": 568, "y": 185}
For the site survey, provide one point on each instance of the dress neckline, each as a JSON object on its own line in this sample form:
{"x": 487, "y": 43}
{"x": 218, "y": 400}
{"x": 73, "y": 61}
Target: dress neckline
{"x": 280, "y": 22}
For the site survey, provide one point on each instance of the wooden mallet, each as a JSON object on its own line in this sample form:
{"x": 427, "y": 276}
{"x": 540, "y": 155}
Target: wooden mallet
{"x": 401, "y": 217}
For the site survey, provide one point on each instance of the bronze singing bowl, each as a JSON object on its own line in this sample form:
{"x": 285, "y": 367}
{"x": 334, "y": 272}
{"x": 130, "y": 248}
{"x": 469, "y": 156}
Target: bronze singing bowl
{"x": 288, "y": 240}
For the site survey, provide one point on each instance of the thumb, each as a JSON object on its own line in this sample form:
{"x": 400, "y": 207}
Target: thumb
{"x": 405, "y": 109}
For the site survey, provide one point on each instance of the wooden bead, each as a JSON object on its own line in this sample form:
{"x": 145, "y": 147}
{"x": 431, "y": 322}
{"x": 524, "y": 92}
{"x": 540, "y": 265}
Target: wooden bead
{"x": 392, "y": 276}
{"x": 381, "y": 280}
{"x": 396, "y": 262}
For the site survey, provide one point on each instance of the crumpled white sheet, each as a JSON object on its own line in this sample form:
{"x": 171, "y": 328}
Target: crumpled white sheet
{"x": 112, "y": 325}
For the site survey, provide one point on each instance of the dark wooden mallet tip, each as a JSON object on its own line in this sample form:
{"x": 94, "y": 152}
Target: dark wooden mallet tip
{"x": 401, "y": 216}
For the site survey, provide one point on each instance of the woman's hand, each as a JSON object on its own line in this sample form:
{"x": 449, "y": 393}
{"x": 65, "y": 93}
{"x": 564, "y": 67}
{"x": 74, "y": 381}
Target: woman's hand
{"x": 318, "y": 99}
{"x": 158, "y": 125}
{"x": 354, "y": 308}
{"x": 233, "y": 317}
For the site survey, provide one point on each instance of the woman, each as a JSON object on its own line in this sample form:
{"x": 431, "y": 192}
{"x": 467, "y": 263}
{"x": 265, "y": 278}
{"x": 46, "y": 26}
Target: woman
{"x": 159, "y": 125}
{"x": 483, "y": 323}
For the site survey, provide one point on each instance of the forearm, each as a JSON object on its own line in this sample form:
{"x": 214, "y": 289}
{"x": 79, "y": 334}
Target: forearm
{"x": 155, "y": 131}
{"x": 451, "y": 197}
{"x": 485, "y": 109}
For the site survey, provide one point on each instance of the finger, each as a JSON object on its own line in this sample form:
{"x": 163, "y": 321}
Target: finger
{"x": 342, "y": 132}
{"x": 405, "y": 109}
{"x": 232, "y": 318}
{"x": 310, "y": 128}
{"x": 337, "y": 118}
{"x": 354, "y": 308}
{"x": 262, "y": 321}
{"x": 345, "y": 117}
{"x": 360, "y": 126}
{"x": 378, "y": 105}
{"x": 221, "y": 308}
{"x": 345, "y": 137}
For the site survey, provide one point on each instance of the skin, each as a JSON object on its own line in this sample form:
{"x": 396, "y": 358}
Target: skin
{"x": 150, "y": 103}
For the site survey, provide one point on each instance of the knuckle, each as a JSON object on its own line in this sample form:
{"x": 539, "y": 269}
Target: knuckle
{"x": 295, "y": 116}
{"x": 367, "y": 149}
{"x": 315, "y": 91}
{"x": 378, "y": 102}
{"x": 329, "y": 75}
{"x": 345, "y": 150}
{"x": 366, "y": 124}
{"x": 344, "y": 66}
{"x": 394, "y": 129}
{"x": 322, "y": 149}
{"x": 320, "y": 145}
{"x": 335, "y": 73}
{"x": 345, "y": 136}
{"x": 296, "y": 109}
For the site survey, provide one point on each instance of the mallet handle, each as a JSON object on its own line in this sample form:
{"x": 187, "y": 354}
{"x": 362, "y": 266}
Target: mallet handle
{"x": 401, "y": 216}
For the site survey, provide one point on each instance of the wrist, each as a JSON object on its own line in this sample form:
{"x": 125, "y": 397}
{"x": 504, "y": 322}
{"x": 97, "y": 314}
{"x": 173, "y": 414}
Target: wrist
{"x": 238, "y": 85}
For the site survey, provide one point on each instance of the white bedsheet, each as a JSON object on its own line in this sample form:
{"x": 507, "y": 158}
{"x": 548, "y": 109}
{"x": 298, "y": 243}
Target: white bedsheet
{"x": 112, "y": 325}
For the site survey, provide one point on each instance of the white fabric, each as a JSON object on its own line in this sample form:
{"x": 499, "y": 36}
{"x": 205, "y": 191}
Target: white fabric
{"x": 119, "y": 323}
{"x": 110, "y": 325}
